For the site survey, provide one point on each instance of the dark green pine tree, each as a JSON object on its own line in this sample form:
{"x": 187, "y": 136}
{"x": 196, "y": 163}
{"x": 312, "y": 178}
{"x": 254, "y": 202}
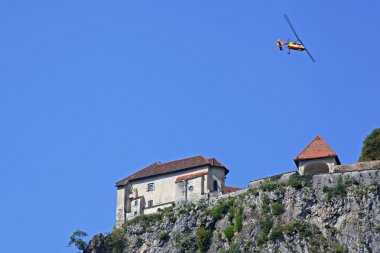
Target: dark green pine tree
{"x": 371, "y": 147}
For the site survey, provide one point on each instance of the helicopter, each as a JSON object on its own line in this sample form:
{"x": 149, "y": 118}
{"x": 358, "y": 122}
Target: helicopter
{"x": 297, "y": 45}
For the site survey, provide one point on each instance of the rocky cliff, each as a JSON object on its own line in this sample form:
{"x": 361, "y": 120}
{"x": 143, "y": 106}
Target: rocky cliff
{"x": 337, "y": 212}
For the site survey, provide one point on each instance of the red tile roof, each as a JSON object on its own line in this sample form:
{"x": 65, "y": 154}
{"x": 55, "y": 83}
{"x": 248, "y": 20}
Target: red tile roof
{"x": 318, "y": 148}
{"x": 163, "y": 168}
{"x": 229, "y": 189}
{"x": 191, "y": 176}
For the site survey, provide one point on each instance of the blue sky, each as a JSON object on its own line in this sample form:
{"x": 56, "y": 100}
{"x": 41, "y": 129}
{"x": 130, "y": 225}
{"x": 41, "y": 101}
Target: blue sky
{"x": 91, "y": 91}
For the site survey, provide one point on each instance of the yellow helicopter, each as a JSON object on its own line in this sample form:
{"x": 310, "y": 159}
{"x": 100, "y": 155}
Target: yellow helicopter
{"x": 297, "y": 45}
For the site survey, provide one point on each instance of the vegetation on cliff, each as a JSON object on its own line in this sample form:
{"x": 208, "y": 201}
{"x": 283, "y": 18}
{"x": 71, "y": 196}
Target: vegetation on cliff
{"x": 324, "y": 213}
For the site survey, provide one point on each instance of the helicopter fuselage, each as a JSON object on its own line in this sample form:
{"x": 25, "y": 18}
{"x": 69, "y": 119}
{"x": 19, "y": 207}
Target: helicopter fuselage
{"x": 295, "y": 46}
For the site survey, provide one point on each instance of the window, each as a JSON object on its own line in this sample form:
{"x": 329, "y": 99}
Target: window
{"x": 191, "y": 188}
{"x": 135, "y": 212}
{"x": 136, "y": 202}
{"x": 215, "y": 185}
{"x": 150, "y": 203}
{"x": 150, "y": 187}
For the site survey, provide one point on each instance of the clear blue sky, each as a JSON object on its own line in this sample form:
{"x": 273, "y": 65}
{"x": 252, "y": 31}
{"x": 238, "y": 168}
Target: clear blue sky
{"x": 91, "y": 91}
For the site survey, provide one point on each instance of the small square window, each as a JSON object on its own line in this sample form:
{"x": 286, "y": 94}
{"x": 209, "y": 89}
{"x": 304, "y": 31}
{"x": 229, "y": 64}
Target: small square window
{"x": 136, "y": 203}
{"x": 150, "y": 187}
{"x": 150, "y": 203}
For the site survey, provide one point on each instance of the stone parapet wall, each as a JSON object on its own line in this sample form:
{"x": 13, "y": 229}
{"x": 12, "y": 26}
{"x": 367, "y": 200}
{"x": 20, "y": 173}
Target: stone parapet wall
{"x": 371, "y": 165}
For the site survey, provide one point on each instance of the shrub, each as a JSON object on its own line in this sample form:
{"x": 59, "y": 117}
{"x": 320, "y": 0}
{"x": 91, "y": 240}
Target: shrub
{"x": 163, "y": 235}
{"x": 377, "y": 228}
{"x": 234, "y": 248}
{"x": 265, "y": 205}
{"x": 266, "y": 225}
{"x": 297, "y": 181}
{"x": 238, "y": 223}
{"x": 340, "y": 189}
{"x": 115, "y": 242}
{"x": 297, "y": 226}
{"x": 221, "y": 208}
{"x": 275, "y": 234}
{"x": 138, "y": 242}
{"x": 229, "y": 232}
{"x": 182, "y": 242}
{"x": 270, "y": 185}
{"x": 253, "y": 191}
{"x": 339, "y": 249}
{"x": 203, "y": 239}
{"x": 144, "y": 220}
{"x": 277, "y": 208}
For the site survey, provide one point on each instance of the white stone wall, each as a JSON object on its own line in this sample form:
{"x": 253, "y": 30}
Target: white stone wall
{"x": 329, "y": 161}
{"x": 198, "y": 191}
{"x": 164, "y": 186}
{"x": 120, "y": 212}
{"x": 155, "y": 209}
{"x": 217, "y": 174}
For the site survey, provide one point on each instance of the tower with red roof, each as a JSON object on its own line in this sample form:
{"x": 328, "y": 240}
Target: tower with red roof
{"x": 317, "y": 158}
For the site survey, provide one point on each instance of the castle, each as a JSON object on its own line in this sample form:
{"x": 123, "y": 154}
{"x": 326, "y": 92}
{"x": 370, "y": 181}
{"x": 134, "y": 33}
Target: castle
{"x": 160, "y": 185}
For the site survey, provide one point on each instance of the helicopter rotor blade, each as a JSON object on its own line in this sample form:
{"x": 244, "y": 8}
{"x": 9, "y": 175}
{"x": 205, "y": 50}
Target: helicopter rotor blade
{"x": 291, "y": 26}
{"x": 311, "y": 57}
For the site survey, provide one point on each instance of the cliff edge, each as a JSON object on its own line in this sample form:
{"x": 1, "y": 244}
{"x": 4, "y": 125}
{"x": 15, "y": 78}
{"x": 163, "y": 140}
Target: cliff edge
{"x": 338, "y": 212}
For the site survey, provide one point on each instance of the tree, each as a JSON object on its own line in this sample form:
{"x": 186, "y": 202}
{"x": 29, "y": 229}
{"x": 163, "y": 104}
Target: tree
{"x": 76, "y": 239}
{"x": 371, "y": 147}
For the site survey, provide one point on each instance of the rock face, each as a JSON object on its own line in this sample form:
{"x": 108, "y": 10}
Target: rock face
{"x": 337, "y": 212}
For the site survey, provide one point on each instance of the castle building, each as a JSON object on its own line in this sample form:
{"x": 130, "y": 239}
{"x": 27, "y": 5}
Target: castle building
{"x": 317, "y": 158}
{"x": 161, "y": 184}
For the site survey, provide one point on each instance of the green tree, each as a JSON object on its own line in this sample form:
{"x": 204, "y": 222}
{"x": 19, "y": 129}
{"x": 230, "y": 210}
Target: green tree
{"x": 371, "y": 147}
{"x": 76, "y": 239}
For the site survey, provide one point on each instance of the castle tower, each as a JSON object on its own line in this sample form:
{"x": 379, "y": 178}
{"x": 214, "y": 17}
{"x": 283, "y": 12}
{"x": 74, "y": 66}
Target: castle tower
{"x": 317, "y": 158}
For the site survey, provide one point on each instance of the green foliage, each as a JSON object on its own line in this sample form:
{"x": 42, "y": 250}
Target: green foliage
{"x": 253, "y": 191}
{"x": 298, "y": 182}
{"x": 270, "y": 184}
{"x": 229, "y": 232}
{"x": 238, "y": 223}
{"x": 182, "y": 242}
{"x": 234, "y": 248}
{"x": 277, "y": 208}
{"x": 138, "y": 242}
{"x": 297, "y": 227}
{"x": 265, "y": 209}
{"x": 114, "y": 242}
{"x": 144, "y": 220}
{"x": 339, "y": 249}
{"x": 377, "y": 228}
{"x": 265, "y": 225}
{"x": 275, "y": 234}
{"x": 221, "y": 208}
{"x": 76, "y": 239}
{"x": 203, "y": 238}
{"x": 371, "y": 147}
{"x": 163, "y": 235}
{"x": 340, "y": 189}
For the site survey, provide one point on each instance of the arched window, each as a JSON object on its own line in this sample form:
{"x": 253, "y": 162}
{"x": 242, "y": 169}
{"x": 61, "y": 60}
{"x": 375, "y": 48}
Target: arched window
{"x": 215, "y": 186}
